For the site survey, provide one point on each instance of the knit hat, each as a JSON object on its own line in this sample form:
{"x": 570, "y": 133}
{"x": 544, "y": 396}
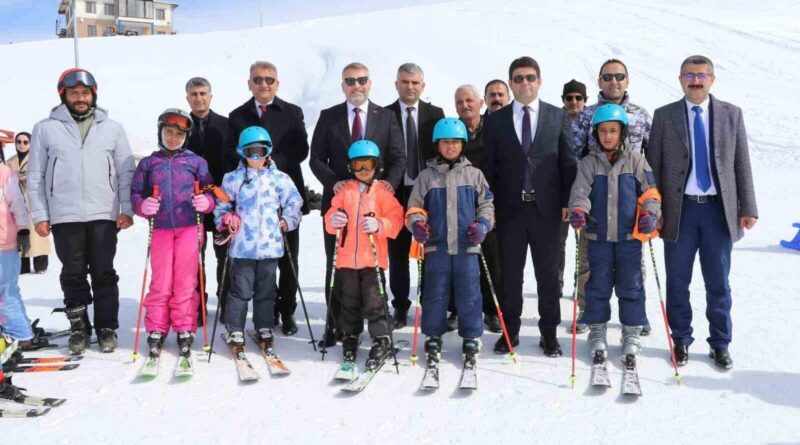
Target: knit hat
{"x": 573, "y": 86}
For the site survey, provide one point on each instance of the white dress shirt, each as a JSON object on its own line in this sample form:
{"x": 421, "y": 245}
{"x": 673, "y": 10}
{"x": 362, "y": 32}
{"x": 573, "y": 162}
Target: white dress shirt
{"x": 352, "y": 116}
{"x": 519, "y": 113}
{"x": 692, "y": 188}
{"x": 403, "y": 116}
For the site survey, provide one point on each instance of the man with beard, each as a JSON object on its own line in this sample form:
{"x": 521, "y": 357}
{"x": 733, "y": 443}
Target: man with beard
{"x": 496, "y": 95}
{"x": 79, "y": 178}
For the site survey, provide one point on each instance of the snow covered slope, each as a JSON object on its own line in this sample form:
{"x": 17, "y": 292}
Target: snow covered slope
{"x": 756, "y": 49}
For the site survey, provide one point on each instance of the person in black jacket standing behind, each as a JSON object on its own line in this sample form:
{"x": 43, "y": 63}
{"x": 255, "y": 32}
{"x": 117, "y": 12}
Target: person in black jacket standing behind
{"x": 284, "y": 122}
{"x": 416, "y": 119}
{"x": 339, "y": 126}
{"x": 207, "y": 140}
{"x": 530, "y": 167}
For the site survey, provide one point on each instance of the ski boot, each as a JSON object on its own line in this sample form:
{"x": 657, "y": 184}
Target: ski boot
{"x": 380, "y": 349}
{"x": 265, "y": 339}
{"x": 235, "y": 341}
{"x": 349, "y": 349}
{"x": 80, "y": 329}
{"x": 8, "y": 391}
{"x": 631, "y": 344}
{"x": 185, "y": 340}
{"x": 107, "y": 340}
{"x": 470, "y": 347}
{"x": 155, "y": 341}
{"x": 597, "y": 339}
{"x": 8, "y": 347}
{"x": 433, "y": 351}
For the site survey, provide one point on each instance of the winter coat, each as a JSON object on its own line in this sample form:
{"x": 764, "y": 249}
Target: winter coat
{"x": 261, "y": 198}
{"x": 454, "y": 196}
{"x": 175, "y": 176}
{"x": 639, "y": 123}
{"x": 609, "y": 194}
{"x": 13, "y": 213}
{"x": 355, "y": 251}
{"x": 70, "y": 180}
{"x": 40, "y": 245}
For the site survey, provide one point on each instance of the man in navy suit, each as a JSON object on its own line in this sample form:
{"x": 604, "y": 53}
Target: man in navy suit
{"x": 530, "y": 166}
{"x": 339, "y": 126}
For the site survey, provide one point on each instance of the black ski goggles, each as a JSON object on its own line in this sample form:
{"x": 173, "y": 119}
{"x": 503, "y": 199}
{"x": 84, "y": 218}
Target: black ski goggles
{"x": 76, "y": 78}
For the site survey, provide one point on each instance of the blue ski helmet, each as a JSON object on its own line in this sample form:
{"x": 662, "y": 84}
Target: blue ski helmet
{"x": 610, "y": 113}
{"x": 363, "y": 149}
{"x": 254, "y": 136}
{"x": 450, "y": 128}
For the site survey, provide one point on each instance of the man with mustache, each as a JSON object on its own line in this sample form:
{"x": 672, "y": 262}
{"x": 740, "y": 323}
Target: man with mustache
{"x": 699, "y": 155}
{"x": 574, "y": 98}
{"x": 79, "y": 178}
{"x": 496, "y": 95}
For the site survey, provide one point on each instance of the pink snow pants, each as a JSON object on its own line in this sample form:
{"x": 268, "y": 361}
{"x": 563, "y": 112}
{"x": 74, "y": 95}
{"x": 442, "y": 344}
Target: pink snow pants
{"x": 173, "y": 299}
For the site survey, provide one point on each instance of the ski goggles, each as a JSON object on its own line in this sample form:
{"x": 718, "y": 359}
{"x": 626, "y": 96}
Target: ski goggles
{"x": 75, "y": 78}
{"x": 180, "y": 122}
{"x": 257, "y": 151}
{"x": 363, "y": 164}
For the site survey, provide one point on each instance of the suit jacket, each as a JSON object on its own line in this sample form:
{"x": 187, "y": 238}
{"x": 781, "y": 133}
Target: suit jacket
{"x": 331, "y": 140}
{"x": 669, "y": 154}
{"x": 553, "y": 160}
{"x": 284, "y": 122}
{"x": 213, "y": 148}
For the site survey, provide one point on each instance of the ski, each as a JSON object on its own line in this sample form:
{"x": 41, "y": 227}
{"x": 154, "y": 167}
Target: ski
{"x": 150, "y": 367}
{"x": 244, "y": 369}
{"x": 469, "y": 375}
{"x": 430, "y": 381}
{"x": 34, "y": 401}
{"x": 184, "y": 367}
{"x": 347, "y": 372}
{"x": 43, "y": 360}
{"x": 364, "y": 378}
{"x": 274, "y": 364}
{"x": 630, "y": 377}
{"x": 599, "y": 376}
{"x": 23, "y": 412}
{"x": 47, "y": 367}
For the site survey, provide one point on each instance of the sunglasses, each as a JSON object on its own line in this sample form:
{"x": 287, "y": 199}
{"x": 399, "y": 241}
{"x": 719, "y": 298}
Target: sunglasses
{"x": 23, "y": 142}
{"x": 608, "y": 77}
{"x": 257, "y": 151}
{"x": 529, "y": 77}
{"x": 177, "y": 121}
{"x": 258, "y": 80}
{"x": 692, "y": 77}
{"x": 350, "y": 81}
{"x": 574, "y": 98}
{"x": 364, "y": 164}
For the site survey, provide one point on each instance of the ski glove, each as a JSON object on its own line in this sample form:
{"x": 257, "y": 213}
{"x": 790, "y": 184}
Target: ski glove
{"x": 232, "y": 222}
{"x": 150, "y": 206}
{"x": 476, "y": 232}
{"x": 339, "y": 219}
{"x": 421, "y": 232}
{"x": 647, "y": 223}
{"x": 577, "y": 219}
{"x": 200, "y": 203}
{"x": 369, "y": 224}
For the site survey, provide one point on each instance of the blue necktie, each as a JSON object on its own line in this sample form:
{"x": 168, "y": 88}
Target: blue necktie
{"x": 700, "y": 151}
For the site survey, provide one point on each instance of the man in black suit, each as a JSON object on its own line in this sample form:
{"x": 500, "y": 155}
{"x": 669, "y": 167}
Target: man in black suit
{"x": 284, "y": 122}
{"x": 416, "y": 119}
{"x": 530, "y": 166}
{"x": 207, "y": 140}
{"x": 339, "y": 126}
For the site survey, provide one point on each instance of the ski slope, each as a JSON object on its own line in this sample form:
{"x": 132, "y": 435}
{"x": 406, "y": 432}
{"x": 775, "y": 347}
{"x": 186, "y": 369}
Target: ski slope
{"x": 756, "y": 50}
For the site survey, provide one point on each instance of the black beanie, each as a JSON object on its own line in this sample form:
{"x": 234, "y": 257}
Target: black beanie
{"x": 573, "y": 86}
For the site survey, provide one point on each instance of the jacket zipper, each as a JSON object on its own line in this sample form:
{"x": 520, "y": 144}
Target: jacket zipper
{"x": 109, "y": 175}
{"x": 53, "y": 177}
{"x": 169, "y": 196}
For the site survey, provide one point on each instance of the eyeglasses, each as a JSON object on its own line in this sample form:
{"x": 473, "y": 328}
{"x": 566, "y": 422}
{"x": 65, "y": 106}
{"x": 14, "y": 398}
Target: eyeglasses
{"x": 23, "y": 142}
{"x": 574, "y": 98}
{"x": 529, "y": 77}
{"x": 364, "y": 164}
{"x": 258, "y": 80}
{"x": 178, "y": 121}
{"x": 607, "y": 77}
{"x": 350, "y": 81}
{"x": 692, "y": 77}
{"x": 257, "y": 151}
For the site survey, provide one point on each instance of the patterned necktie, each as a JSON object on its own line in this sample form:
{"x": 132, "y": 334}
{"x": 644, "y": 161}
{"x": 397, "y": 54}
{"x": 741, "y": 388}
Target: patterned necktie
{"x": 357, "y": 133}
{"x": 412, "y": 157}
{"x": 700, "y": 151}
{"x": 527, "y": 141}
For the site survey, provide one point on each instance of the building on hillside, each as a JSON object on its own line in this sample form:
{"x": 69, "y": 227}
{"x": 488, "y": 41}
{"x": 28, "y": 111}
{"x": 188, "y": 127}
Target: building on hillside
{"x": 116, "y": 17}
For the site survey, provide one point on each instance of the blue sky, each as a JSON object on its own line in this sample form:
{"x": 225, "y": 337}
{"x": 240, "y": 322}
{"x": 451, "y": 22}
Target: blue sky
{"x": 25, "y": 20}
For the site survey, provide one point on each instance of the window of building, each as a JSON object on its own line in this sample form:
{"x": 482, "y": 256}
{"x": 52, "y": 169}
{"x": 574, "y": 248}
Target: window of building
{"x": 162, "y": 33}
{"x": 160, "y": 14}
{"x": 142, "y": 9}
{"x": 109, "y": 31}
{"x": 92, "y": 30}
{"x": 90, "y": 7}
{"x": 109, "y": 9}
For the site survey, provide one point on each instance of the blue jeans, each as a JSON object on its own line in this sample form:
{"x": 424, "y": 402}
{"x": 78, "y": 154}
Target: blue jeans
{"x": 460, "y": 273}
{"x": 702, "y": 227}
{"x": 12, "y": 310}
{"x": 615, "y": 266}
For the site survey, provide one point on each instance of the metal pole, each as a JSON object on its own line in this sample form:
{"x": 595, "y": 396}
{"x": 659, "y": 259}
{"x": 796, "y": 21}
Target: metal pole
{"x": 75, "y": 29}
{"x": 260, "y": 16}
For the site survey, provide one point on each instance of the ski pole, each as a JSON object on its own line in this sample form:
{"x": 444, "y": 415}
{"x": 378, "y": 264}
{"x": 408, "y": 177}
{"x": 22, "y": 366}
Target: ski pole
{"x": 144, "y": 280}
{"x": 299, "y": 291}
{"x": 575, "y": 302}
{"x": 417, "y": 252}
{"x": 206, "y": 348}
{"x": 220, "y": 288}
{"x": 330, "y": 290}
{"x": 382, "y": 291}
{"x": 664, "y": 313}
{"x": 512, "y": 355}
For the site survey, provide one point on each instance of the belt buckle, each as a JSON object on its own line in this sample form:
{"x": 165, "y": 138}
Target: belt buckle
{"x": 528, "y": 197}
{"x": 702, "y": 199}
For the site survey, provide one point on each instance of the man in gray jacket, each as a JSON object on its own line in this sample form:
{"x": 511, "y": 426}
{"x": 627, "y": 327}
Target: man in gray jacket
{"x": 699, "y": 155}
{"x": 79, "y": 178}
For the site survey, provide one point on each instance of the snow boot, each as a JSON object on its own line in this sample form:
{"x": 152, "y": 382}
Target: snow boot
{"x": 265, "y": 338}
{"x": 433, "y": 351}
{"x": 349, "y": 348}
{"x": 107, "y": 340}
{"x": 597, "y": 338}
{"x": 80, "y": 329}
{"x": 155, "y": 341}
{"x": 185, "y": 340}
{"x": 631, "y": 344}
{"x": 380, "y": 349}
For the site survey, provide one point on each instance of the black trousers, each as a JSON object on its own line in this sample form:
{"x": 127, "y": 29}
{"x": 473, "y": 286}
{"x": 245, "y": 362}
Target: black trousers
{"x": 563, "y": 233}
{"x": 287, "y": 284}
{"x": 360, "y": 299}
{"x": 39, "y": 264}
{"x": 331, "y": 298}
{"x": 220, "y": 252}
{"x": 399, "y": 277}
{"x": 88, "y": 248}
{"x": 530, "y": 229}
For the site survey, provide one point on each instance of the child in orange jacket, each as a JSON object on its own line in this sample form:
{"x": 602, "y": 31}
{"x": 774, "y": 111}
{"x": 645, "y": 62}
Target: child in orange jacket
{"x": 361, "y": 212}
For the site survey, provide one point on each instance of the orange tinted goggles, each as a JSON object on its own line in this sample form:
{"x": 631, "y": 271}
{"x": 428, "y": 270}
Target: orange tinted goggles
{"x": 365, "y": 164}
{"x": 179, "y": 122}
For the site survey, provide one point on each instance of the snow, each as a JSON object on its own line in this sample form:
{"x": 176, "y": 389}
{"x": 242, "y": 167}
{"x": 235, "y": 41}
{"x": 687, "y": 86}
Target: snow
{"x": 756, "y": 49}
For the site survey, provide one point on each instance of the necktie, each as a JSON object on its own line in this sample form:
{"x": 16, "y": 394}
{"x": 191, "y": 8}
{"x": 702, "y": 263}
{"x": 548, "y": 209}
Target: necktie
{"x": 357, "y": 133}
{"x": 412, "y": 157}
{"x": 527, "y": 141}
{"x": 201, "y": 131}
{"x": 263, "y": 108}
{"x": 700, "y": 151}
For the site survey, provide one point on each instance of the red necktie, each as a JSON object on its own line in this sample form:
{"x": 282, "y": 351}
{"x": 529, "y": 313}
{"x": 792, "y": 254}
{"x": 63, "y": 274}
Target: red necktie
{"x": 357, "y": 133}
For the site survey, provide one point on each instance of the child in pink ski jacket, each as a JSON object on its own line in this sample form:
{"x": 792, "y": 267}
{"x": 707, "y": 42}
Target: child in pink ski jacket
{"x": 173, "y": 300}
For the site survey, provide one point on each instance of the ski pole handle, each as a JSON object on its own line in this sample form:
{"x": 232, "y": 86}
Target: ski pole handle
{"x": 155, "y": 191}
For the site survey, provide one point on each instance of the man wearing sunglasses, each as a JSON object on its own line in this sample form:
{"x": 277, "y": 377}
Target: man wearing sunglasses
{"x": 337, "y": 128}
{"x": 574, "y": 98}
{"x": 79, "y": 178}
{"x": 285, "y": 123}
{"x": 530, "y": 166}
{"x": 699, "y": 155}
{"x": 416, "y": 118}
